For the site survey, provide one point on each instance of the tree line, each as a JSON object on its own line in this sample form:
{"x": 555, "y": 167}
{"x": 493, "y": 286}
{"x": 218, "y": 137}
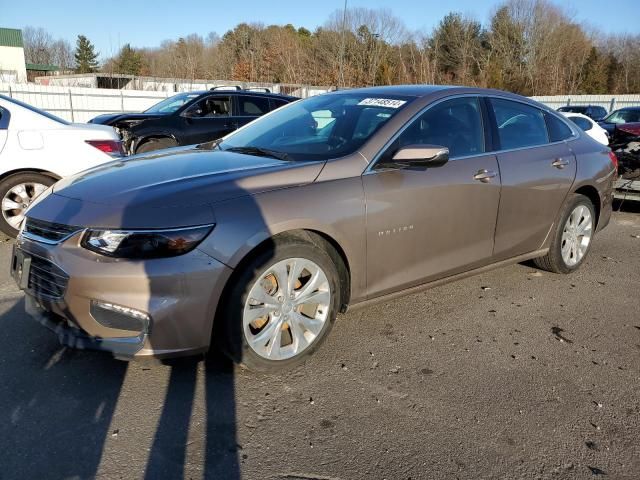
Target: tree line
{"x": 532, "y": 47}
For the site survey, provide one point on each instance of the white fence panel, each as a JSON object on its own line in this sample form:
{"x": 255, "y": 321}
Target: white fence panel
{"x": 610, "y": 102}
{"x": 80, "y": 104}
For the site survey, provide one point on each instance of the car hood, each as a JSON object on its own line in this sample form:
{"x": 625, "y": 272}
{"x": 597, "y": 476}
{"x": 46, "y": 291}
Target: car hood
{"x": 113, "y": 118}
{"x": 171, "y": 188}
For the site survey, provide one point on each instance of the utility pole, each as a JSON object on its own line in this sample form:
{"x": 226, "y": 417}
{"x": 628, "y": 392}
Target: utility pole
{"x": 342, "y": 46}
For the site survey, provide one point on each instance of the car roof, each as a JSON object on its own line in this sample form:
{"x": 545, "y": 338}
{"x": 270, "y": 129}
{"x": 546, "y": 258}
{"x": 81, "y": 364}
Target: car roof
{"x": 576, "y": 114}
{"x": 240, "y": 92}
{"x": 628, "y": 109}
{"x": 427, "y": 90}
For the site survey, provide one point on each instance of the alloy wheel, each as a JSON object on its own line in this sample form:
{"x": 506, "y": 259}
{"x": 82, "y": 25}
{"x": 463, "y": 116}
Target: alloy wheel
{"x": 286, "y": 309}
{"x": 17, "y": 200}
{"x": 576, "y": 235}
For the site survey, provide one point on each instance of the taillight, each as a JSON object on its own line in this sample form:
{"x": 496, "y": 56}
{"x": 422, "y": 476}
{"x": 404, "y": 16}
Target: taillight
{"x": 614, "y": 160}
{"x": 110, "y": 147}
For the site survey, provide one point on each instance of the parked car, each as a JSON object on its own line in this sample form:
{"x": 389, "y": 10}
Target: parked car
{"x": 191, "y": 118}
{"x": 257, "y": 241}
{"x": 37, "y": 148}
{"x": 588, "y": 125}
{"x": 595, "y": 112}
{"x": 620, "y": 117}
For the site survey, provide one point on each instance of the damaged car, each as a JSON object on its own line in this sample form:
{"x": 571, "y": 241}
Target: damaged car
{"x": 192, "y": 117}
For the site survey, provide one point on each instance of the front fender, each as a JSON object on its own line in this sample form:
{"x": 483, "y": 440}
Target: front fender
{"x": 333, "y": 209}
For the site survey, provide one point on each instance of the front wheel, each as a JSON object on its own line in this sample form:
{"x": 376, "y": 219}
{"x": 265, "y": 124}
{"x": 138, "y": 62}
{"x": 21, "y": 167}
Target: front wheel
{"x": 281, "y": 306}
{"x": 17, "y": 192}
{"x": 572, "y": 236}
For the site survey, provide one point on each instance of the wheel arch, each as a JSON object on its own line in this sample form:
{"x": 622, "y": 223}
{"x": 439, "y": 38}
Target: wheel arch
{"x": 313, "y": 236}
{"x": 593, "y": 195}
{"x": 18, "y": 171}
{"x": 140, "y": 140}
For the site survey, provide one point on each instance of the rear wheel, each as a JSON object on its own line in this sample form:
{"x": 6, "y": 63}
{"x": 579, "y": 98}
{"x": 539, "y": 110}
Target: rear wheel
{"x": 17, "y": 192}
{"x": 571, "y": 238}
{"x": 156, "y": 144}
{"x": 281, "y": 306}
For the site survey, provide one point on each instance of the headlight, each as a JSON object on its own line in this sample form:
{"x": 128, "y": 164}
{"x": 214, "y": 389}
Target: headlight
{"x": 140, "y": 244}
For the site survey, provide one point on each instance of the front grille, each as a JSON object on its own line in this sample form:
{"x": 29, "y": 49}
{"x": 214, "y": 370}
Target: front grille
{"x": 53, "y": 232}
{"x": 46, "y": 279}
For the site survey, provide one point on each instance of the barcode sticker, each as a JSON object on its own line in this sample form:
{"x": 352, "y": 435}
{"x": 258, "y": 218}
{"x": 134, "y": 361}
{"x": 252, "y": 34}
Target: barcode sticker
{"x": 382, "y": 102}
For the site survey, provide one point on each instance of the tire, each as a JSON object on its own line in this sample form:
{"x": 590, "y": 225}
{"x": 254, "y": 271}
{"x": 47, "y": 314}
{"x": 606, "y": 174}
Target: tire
{"x": 19, "y": 191}
{"x": 231, "y": 332}
{"x": 554, "y": 260}
{"x": 156, "y": 144}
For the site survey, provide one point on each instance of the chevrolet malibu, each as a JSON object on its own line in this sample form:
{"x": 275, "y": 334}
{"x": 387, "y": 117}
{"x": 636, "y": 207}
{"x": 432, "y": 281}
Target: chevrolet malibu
{"x": 257, "y": 241}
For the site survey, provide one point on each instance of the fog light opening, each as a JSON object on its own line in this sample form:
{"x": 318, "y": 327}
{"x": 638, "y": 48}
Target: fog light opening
{"x": 118, "y": 317}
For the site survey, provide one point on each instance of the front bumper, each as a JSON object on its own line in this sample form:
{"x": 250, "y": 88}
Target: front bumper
{"x": 64, "y": 282}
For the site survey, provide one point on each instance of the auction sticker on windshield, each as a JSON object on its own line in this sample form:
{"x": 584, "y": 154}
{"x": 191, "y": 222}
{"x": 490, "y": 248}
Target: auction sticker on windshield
{"x": 382, "y": 102}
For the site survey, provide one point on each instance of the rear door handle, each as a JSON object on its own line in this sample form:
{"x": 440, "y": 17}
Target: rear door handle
{"x": 560, "y": 163}
{"x": 484, "y": 176}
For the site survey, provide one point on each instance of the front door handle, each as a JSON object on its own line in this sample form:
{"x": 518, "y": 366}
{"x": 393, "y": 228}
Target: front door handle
{"x": 484, "y": 176}
{"x": 560, "y": 163}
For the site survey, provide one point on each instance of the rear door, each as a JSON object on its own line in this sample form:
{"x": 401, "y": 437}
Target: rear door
{"x": 537, "y": 168}
{"x": 208, "y": 119}
{"x": 250, "y": 107}
{"x": 427, "y": 224}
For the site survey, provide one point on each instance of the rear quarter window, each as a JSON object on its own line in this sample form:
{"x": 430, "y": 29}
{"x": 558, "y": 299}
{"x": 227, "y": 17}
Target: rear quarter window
{"x": 558, "y": 130}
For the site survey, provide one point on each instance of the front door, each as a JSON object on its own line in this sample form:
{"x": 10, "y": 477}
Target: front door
{"x": 537, "y": 169}
{"x": 208, "y": 119}
{"x": 427, "y": 224}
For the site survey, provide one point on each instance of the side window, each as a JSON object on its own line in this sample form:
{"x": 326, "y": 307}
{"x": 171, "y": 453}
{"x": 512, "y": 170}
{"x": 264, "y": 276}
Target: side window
{"x": 455, "y": 124}
{"x": 519, "y": 125}
{"x": 277, "y": 103}
{"x": 210, "y": 107}
{"x": 557, "y": 129}
{"x": 252, "y": 106}
{"x": 583, "y": 123}
{"x": 324, "y": 122}
{"x": 4, "y": 118}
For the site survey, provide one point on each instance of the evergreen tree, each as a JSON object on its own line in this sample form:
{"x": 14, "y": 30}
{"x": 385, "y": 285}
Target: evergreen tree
{"x": 85, "y": 56}
{"x": 595, "y": 73}
{"x": 129, "y": 61}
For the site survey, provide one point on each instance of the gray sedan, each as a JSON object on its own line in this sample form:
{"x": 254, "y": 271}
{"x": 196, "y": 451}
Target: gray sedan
{"x": 256, "y": 242}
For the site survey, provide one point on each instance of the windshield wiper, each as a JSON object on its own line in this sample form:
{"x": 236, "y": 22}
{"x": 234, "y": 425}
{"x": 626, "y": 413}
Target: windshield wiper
{"x": 259, "y": 152}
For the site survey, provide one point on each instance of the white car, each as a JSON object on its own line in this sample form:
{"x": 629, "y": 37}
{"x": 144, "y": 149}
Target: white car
{"x": 37, "y": 149}
{"x": 591, "y": 128}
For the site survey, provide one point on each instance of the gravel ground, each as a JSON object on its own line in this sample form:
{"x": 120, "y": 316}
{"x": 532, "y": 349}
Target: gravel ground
{"x": 513, "y": 374}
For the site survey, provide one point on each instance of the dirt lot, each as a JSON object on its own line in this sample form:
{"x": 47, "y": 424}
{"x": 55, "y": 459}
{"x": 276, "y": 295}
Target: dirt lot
{"x": 512, "y": 374}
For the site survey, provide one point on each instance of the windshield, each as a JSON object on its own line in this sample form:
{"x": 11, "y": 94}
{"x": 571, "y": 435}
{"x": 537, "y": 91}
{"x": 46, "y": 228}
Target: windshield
{"x": 318, "y": 128}
{"x": 171, "y": 104}
{"x": 623, "y": 116}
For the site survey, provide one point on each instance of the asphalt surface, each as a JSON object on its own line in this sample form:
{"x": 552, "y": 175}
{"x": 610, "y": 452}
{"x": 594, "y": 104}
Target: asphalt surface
{"x": 512, "y": 374}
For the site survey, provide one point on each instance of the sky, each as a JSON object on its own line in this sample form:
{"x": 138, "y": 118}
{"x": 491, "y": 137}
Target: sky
{"x": 145, "y": 23}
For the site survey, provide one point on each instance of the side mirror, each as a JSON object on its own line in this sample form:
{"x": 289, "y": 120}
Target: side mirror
{"x": 421, "y": 156}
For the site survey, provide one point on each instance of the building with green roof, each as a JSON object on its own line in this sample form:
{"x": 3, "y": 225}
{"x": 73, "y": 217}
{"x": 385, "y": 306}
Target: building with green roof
{"x": 12, "y": 62}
